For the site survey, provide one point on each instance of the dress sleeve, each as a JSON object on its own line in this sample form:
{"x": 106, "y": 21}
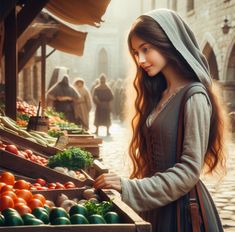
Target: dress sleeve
{"x": 163, "y": 188}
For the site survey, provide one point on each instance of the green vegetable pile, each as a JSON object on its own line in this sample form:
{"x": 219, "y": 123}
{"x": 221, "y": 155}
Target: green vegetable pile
{"x": 73, "y": 158}
{"x": 98, "y": 208}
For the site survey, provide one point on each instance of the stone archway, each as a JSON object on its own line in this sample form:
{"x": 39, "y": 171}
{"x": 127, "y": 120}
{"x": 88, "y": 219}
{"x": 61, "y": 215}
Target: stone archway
{"x": 229, "y": 84}
{"x": 102, "y": 62}
{"x": 230, "y": 75}
{"x": 211, "y": 58}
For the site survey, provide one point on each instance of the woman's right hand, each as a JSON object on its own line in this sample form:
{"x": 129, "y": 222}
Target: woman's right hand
{"x": 108, "y": 181}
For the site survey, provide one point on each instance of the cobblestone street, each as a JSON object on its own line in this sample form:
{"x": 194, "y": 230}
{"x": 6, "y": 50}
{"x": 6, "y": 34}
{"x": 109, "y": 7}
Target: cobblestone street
{"x": 114, "y": 155}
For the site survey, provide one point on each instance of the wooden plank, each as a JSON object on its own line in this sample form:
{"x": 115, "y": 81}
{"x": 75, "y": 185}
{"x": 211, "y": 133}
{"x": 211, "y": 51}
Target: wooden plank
{"x": 89, "y": 141}
{"x": 99, "y": 167}
{"x": 11, "y": 63}
{"x": 28, "y": 50}
{"x": 73, "y": 228}
{"x": 80, "y": 135}
{"x": 27, "y": 14}
{"x": 43, "y": 74}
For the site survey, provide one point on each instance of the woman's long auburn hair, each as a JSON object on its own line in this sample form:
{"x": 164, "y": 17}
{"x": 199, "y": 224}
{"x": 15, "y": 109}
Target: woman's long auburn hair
{"x": 149, "y": 91}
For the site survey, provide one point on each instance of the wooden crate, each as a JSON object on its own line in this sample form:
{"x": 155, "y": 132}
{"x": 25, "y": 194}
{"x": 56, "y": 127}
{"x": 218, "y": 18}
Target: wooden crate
{"x": 87, "y": 142}
{"x": 25, "y": 143}
{"x": 45, "y": 150}
{"x": 130, "y": 221}
{"x": 33, "y": 170}
{"x": 88, "y": 139}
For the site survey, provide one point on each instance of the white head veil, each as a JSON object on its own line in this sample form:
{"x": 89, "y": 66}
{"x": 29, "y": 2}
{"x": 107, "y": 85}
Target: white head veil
{"x": 184, "y": 41}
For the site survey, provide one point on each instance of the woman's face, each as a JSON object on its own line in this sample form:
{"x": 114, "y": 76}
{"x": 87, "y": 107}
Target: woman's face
{"x": 147, "y": 56}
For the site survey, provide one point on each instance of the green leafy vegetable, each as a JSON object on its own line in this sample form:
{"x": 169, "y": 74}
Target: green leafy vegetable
{"x": 73, "y": 158}
{"x": 98, "y": 208}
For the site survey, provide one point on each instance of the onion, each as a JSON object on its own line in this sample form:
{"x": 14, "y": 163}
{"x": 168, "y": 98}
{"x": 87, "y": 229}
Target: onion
{"x": 67, "y": 204}
{"x": 60, "y": 199}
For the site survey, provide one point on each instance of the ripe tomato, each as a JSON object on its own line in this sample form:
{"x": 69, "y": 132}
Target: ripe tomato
{"x": 42, "y": 188}
{"x": 41, "y": 181}
{"x": 22, "y": 208}
{"x": 24, "y": 193}
{"x": 59, "y": 186}
{"x": 1, "y": 185}
{"x": 6, "y": 187}
{"x": 29, "y": 152}
{"x": 19, "y": 200}
{"x": 12, "y": 148}
{"x": 40, "y": 197}
{"x": 6, "y": 202}
{"x": 34, "y": 203}
{"x": 21, "y": 184}
{"x": 69, "y": 186}
{"x": 51, "y": 185}
{"x": 11, "y": 194}
{"x": 7, "y": 178}
{"x": 69, "y": 183}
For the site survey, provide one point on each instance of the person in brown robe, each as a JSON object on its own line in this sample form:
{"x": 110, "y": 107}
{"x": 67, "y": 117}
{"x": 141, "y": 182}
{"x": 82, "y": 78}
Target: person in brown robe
{"x": 102, "y": 97}
{"x": 63, "y": 98}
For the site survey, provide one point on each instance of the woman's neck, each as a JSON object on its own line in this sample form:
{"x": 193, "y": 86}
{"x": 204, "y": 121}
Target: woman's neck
{"x": 174, "y": 79}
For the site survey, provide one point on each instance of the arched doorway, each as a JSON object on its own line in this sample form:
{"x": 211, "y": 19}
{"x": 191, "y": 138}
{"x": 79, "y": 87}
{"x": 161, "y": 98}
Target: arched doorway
{"x": 229, "y": 84}
{"x": 231, "y": 66}
{"x": 211, "y": 58}
{"x": 103, "y": 62}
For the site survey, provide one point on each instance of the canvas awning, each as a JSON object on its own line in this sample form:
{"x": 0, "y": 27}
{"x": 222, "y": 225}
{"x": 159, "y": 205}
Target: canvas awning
{"x": 79, "y": 11}
{"x": 57, "y": 35}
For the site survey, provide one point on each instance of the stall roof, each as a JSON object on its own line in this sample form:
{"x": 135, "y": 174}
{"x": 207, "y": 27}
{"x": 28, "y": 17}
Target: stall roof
{"x": 79, "y": 11}
{"x": 57, "y": 35}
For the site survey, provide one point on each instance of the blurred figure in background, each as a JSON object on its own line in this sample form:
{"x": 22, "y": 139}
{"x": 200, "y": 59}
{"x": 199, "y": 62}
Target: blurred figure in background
{"x": 63, "y": 98}
{"x": 84, "y": 106}
{"x": 102, "y": 97}
{"x": 119, "y": 100}
{"x": 57, "y": 75}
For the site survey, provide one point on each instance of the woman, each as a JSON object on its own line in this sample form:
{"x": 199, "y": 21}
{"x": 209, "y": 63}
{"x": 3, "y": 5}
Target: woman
{"x": 168, "y": 61}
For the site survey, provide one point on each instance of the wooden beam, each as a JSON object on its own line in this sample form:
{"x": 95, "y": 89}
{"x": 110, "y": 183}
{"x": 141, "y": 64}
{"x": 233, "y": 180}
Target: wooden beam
{"x": 29, "y": 49}
{"x": 6, "y": 7}
{"x": 11, "y": 64}
{"x": 43, "y": 73}
{"x": 28, "y": 13}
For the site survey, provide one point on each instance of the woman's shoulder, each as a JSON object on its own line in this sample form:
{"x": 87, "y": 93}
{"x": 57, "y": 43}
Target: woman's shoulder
{"x": 196, "y": 91}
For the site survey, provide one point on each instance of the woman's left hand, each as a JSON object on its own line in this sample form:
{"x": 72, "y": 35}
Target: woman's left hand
{"x": 108, "y": 181}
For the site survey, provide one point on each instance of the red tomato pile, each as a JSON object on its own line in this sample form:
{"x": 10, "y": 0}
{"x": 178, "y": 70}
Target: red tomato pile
{"x": 26, "y": 154}
{"x": 16, "y": 194}
{"x": 41, "y": 184}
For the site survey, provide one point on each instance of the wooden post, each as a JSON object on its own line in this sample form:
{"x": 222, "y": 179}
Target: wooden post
{"x": 11, "y": 63}
{"x": 43, "y": 74}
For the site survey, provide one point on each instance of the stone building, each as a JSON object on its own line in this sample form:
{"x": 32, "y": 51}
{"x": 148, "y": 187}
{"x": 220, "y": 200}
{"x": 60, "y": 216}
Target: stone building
{"x": 213, "y": 22}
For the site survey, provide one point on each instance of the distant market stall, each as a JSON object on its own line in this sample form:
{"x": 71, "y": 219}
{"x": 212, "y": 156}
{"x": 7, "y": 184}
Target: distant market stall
{"x": 17, "y": 16}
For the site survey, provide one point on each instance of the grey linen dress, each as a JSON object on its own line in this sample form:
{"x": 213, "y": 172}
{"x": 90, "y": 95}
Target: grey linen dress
{"x": 155, "y": 197}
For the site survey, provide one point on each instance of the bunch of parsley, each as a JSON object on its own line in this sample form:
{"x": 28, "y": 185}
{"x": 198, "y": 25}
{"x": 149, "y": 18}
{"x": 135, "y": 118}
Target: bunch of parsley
{"x": 72, "y": 158}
